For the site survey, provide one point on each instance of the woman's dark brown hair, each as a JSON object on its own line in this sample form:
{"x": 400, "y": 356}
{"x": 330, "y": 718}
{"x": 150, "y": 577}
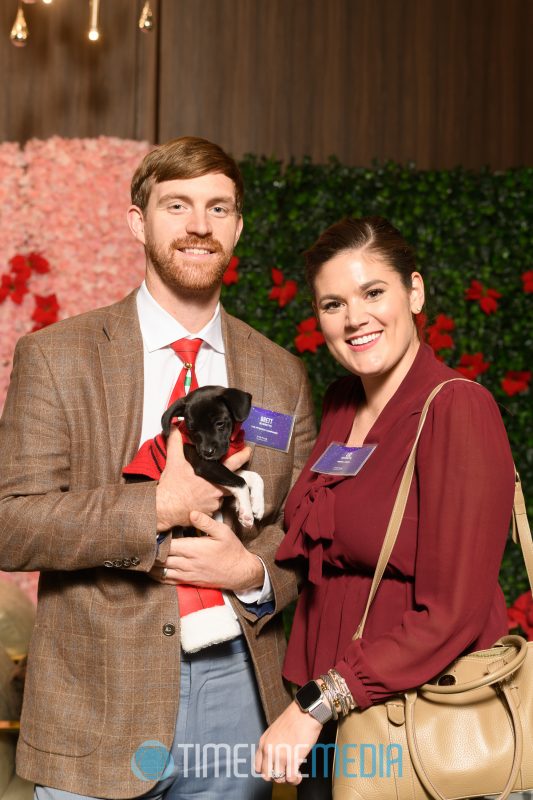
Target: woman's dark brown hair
{"x": 374, "y": 234}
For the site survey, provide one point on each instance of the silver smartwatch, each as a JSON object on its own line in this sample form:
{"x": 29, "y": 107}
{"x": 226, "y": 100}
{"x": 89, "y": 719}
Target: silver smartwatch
{"x": 311, "y": 700}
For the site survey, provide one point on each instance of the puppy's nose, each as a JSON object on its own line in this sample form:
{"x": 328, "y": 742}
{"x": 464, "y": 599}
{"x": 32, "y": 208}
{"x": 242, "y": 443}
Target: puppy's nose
{"x": 209, "y": 451}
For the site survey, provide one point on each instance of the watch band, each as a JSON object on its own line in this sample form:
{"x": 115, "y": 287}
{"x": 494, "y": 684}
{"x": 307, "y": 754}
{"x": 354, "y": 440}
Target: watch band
{"x": 321, "y": 711}
{"x": 313, "y": 701}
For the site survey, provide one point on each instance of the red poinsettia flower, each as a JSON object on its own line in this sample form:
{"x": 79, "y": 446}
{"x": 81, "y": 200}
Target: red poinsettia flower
{"x": 39, "y": 263}
{"x": 527, "y": 280}
{"x": 515, "y": 382}
{"x": 520, "y": 614}
{"x": 487, "y": 298}
{"x": 283, "y": 291}
{"x": 45, "y": 312}
{"x": 438, "y": 334}
{"x": 308, "y": 338}
{"x": 13, "y": 286}
{"x": 472, "y": 365}
{"x": 231, "y": 275}
{"x": 25, "y": 264}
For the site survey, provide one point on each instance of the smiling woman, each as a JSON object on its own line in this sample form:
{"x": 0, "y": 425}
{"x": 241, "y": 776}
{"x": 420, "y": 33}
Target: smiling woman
{"x": 366, "y": 295}
{"x": 439, "y": 596}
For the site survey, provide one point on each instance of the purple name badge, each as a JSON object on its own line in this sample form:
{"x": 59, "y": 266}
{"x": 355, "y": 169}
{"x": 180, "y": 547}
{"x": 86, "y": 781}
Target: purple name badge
{"x": 268, "y": 428}
{"x": 338, "y": 459}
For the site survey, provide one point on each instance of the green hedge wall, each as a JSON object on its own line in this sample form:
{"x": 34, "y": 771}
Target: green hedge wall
{"x": 465, "y": 226}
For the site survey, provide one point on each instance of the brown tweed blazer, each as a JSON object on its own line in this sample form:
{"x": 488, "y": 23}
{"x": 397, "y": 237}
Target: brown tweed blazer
{"x": 102, "y": 676}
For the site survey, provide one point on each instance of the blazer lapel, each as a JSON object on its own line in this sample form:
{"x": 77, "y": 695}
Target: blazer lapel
{"x": 244, "y": 364}
{"x": 121, "y": 358}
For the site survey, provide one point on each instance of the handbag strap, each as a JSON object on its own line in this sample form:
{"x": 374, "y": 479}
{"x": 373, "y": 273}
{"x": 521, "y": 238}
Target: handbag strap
{"x": 521, "y": 530}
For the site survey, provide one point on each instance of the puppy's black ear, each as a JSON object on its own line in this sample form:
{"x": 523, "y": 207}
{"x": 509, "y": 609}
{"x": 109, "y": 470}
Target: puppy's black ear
{"x": 175, "y": 410}
{"x": 238, "y": 402}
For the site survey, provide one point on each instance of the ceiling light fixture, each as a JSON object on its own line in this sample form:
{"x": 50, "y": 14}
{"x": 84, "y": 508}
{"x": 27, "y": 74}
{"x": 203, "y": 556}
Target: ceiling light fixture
{"x": 20, "y": 33}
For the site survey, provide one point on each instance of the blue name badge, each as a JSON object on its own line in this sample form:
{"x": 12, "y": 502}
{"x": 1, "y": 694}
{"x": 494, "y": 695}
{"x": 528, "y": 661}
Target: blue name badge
{"x": 268, "y": 428}
{"x": 338, "y": 459}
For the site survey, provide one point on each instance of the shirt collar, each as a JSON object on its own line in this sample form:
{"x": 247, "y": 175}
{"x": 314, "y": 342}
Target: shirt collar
{"x": 159, "y": 328}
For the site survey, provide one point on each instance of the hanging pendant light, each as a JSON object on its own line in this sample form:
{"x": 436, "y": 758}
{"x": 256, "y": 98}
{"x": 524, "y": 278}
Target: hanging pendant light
{"x": 146, "y": 20}
{"x": 19, "y": 32}
{"x": 94, "y": 33}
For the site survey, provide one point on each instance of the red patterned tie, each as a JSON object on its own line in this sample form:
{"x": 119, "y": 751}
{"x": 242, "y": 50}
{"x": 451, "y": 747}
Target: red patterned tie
{"x": 186, "y": 350}
{"x": 151, "y": 459}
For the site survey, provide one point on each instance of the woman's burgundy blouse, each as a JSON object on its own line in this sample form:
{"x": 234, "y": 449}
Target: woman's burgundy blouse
{"x": 440, "y": 595}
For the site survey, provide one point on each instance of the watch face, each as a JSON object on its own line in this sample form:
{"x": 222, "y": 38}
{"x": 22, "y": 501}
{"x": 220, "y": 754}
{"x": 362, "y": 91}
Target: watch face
{"x": 308, "y": 694}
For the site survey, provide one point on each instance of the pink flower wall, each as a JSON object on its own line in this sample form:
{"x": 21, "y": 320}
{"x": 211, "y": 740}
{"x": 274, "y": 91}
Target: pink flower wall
{"x": 66, "y": 199}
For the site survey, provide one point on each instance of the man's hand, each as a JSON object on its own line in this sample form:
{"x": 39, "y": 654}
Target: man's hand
{"x": 218, "y": 560}
{"x": 180, "y": 491}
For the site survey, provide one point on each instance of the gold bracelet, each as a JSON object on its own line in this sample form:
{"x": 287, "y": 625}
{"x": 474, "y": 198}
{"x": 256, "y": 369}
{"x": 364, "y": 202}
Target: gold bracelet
{"x": 324, "y": 688}
{"x": 343, "y": 692}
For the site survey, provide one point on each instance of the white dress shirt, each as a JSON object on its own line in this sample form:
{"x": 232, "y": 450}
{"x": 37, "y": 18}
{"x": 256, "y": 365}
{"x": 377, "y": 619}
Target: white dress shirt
{"x": 161, "y": 369}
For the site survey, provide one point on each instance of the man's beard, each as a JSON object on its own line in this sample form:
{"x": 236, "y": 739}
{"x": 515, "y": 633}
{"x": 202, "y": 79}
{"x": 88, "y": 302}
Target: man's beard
{"x": 188, "y": 276}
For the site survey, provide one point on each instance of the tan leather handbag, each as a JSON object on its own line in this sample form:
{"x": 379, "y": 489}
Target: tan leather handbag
{"x": 467, "y": 733}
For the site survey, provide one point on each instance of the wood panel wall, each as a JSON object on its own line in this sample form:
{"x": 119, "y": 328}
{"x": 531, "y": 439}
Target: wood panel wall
{"x": 61, "y": 83}
{"x": 437, "y": 82}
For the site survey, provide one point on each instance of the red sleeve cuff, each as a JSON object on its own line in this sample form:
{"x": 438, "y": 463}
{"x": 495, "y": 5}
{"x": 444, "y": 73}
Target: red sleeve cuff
{"x": 355, "y": 685}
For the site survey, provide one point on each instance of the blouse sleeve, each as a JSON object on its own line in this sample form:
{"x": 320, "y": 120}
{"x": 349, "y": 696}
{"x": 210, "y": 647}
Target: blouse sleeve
{"x": 465, "y": 479}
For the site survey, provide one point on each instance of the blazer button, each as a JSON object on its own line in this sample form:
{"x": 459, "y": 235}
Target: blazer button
{"x": 135, "y": 561}
{"x": 169, "y": 629}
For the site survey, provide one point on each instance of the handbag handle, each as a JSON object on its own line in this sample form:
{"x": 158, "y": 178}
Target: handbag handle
{"x": 520, "y": 645}
{"x": 521, "y": 530}
{"x": 414, "y": 752}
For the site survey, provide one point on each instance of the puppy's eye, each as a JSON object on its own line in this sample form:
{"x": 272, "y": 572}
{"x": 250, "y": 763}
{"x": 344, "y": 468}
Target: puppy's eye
{"x": 220, "y": 424}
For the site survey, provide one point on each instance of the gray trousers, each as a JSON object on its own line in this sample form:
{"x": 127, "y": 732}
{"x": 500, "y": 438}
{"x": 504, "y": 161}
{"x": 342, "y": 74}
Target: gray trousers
{"x": 219, "y": 723}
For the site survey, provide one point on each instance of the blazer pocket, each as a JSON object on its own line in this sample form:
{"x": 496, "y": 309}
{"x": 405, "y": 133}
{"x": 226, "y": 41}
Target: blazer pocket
{"x": 64, "y": 697}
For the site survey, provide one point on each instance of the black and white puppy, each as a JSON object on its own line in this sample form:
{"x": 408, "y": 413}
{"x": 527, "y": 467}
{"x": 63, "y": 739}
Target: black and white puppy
{"x": 210, "y": 415}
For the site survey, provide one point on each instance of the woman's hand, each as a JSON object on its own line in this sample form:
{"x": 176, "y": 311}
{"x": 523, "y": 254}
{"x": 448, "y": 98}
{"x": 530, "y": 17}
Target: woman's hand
{"x": 285, "y": 745}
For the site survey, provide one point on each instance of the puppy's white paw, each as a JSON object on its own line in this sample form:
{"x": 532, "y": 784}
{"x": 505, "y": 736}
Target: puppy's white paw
{"x": 242, "y": 505}
{"x": 246, "y": 520}
{"x": 257, "y": 491}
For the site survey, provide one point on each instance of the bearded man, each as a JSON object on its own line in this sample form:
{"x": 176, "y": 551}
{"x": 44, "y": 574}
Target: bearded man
{"x": 115, "y": 706}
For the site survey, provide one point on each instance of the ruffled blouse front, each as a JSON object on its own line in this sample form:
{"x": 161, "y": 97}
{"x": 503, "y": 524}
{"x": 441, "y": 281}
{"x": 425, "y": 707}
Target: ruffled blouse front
{"x": 439, "y": 596}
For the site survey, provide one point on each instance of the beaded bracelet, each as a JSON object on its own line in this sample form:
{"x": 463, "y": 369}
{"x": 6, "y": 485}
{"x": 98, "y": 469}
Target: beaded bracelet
{"x": 336, "y": 691}
{"x": 330, "y": 697}
{"x": 346, "y": 695}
